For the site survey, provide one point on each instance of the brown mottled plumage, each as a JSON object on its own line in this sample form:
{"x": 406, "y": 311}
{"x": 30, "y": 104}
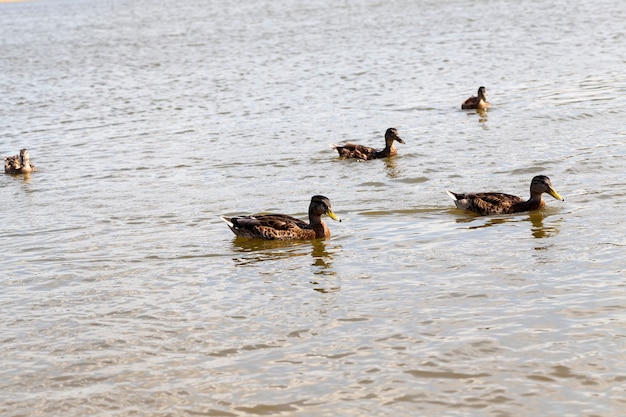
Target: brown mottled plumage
{"x": 479, "y": 102}
{"x": 283, "y": 227}
{"x": 353, "y": 150}
{"x": 18, "y": 164}
{"x": 499, "y": 203}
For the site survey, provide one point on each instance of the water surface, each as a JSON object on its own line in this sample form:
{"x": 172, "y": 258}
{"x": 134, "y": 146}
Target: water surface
{"x": 125, "y": 294}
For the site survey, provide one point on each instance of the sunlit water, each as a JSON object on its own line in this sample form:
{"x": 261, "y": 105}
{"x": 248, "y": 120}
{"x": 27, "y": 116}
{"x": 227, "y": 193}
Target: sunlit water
{"x": 125, "y": 294}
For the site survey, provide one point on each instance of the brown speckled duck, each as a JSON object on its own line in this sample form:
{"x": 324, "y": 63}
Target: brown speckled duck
{"x": 499, "y": 203}
{"x": 352, "y": 150}
{"x": 283, "y": 227}
{"x": 479, "y": 102}
{"x": 18, "y": 164}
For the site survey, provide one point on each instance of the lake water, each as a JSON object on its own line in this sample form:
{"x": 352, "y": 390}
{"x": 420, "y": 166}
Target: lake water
{"x": 124, "y": 294}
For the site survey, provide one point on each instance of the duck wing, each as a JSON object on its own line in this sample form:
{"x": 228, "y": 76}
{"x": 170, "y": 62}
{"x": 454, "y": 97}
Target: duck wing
{"x": 470, "y": 103}
{"x": 354, "y": 150}
{"x": 279, "y": 222}
{"x": 270, "y": 226}
{"x": 486, "y": 203}
{"x": 12, "y": 164}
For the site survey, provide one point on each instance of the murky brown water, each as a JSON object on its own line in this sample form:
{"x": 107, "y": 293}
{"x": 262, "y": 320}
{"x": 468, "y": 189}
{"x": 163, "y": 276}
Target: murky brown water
{"x": 125, "y": 294}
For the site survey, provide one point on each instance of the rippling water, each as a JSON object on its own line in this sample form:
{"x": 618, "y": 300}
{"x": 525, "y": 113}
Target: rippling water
{"x": 125, "y": 294}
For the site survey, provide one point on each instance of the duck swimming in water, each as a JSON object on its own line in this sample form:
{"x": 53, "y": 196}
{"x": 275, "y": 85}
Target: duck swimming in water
{"x": 479, "y": 102}
{"x": 499, "y": 203}
{"x": 18, "y": 164}
{"x": 283, "y": 227}
{"x": 353, "y": 150}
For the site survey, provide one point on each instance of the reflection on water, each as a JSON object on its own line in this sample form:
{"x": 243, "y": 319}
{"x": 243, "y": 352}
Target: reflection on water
{"x": 322, "y": 258}
{"x": 539, "y": 231}
{"x": 26, "y": 177}
{"x": 246, "y": 245}
{"x": 492, "y": 221}
{"x": 325, "y": 274}
{"x": 482, "y": 115}
{"x": 536, "y": 218}
{"x": 391, "y": 167}
{"x": 258, "y": 250}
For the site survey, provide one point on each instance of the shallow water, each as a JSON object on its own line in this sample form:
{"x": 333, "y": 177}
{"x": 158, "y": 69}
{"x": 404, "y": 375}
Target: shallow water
{"x": 125, "y": 294}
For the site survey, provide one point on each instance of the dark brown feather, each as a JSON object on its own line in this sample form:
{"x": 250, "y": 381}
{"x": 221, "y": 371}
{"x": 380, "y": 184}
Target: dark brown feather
{"x": 500, "y": 203}
{"x": 19, "y": 164}
{"x": 353, "y": 150}
{"x": 477, "y": 102}
{"x": 282, "y": 226}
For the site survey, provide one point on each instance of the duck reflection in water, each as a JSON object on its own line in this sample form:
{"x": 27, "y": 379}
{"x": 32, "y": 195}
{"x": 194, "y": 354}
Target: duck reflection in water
{"x": 536, "y": 218}
{"x": 482, "y": 118}
{"x": 325, "y": 277}
{"x": 254, "y": 251}
{"x": 322, "y": 259}
{"x": 391, "y": 168}
{"x": 257, "y": 250}
{"x": 538, "y": 230}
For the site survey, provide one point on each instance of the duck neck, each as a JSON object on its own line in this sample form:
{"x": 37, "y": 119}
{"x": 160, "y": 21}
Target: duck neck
{"x": 535, "y": 201}
{"x": 318, "y": 226}
{"x": 390, "y": 149}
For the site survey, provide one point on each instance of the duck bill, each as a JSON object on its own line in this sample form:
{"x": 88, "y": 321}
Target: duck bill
{"x": 554, "y": 194}
{"x": 330, "y": 214}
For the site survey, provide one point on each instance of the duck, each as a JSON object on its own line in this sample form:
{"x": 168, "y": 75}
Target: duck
{"x": 500, "y": 203}
{"x": 479, "y": 102}
{"x": 19, "y": 164}
{"x": 284, "y": 227}
{"x": 353, "y": 150}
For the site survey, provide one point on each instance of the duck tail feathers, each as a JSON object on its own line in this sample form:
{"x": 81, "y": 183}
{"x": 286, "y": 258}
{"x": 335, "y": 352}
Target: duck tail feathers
{"x": 453, "y": 196}
{"x": 228, "y": 221}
